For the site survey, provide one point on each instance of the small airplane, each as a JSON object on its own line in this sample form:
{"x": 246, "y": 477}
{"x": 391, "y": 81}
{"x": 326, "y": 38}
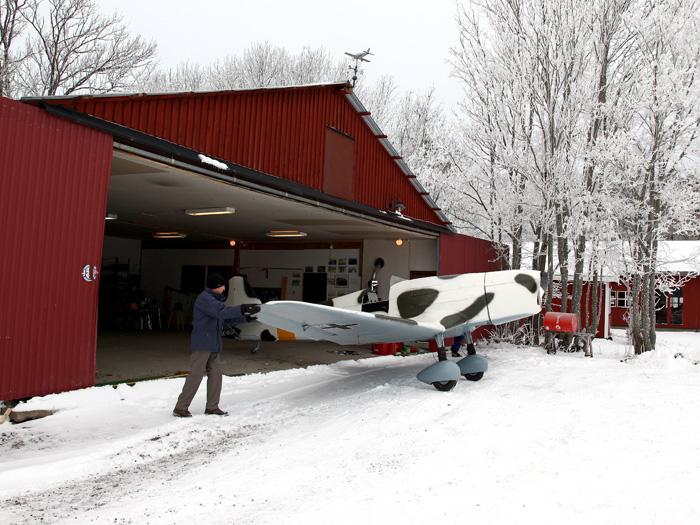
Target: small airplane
{"x": 360, "y": 56}
{"x": 417, "y": 310}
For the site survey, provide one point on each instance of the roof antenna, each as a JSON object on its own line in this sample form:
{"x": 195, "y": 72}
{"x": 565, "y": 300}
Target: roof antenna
{"x": 355, "y": 68}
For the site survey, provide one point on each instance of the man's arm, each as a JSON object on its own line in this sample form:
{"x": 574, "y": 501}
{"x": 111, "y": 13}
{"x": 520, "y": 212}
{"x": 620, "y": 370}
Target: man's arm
{"x": 219, "y": 310}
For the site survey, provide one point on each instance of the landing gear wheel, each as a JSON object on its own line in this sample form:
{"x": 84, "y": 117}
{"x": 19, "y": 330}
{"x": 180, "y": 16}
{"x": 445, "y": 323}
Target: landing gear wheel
{"x": 474, "y": 377}
{"x": 444, "y": 386}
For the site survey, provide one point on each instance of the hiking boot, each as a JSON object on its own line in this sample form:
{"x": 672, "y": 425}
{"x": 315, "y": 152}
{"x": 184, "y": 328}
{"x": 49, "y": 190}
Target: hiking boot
{"x": 215, "y": 412}
{"x": 181, "y": 413}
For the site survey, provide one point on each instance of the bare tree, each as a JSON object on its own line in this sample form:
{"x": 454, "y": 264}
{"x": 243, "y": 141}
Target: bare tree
{"x": 11, "y": 25}
{"x": 75, "y": 49}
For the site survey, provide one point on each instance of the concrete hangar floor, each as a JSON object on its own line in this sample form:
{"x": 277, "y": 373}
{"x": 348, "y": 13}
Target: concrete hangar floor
{"x": 132, "y": 356}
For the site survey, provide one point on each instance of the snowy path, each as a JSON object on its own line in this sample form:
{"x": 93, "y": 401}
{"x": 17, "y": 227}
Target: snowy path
{"x": 546, "y": 439}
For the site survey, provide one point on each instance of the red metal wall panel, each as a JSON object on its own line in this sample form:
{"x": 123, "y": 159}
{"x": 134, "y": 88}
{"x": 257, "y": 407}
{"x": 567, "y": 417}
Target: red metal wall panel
{"x": 53, "y": 189}
{"x": 463, "y": 254}
{"x": 277, "y": 131}
{"x": 691, "y": 304}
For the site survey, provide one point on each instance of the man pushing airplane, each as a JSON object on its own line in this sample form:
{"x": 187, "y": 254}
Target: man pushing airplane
{"x": 209, "y": 313}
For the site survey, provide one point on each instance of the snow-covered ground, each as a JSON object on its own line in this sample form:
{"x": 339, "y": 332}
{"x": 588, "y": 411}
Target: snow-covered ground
{"x": 541, "y": 439}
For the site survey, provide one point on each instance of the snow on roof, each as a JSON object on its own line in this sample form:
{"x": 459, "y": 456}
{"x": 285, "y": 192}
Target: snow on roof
{"x": 141, "y": 94}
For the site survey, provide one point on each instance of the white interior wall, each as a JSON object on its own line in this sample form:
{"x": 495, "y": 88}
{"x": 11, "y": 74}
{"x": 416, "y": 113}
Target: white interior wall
{"x": 161, "y": 268}
{"x": 412, "y": 255}
{"x": 268, "y": 268}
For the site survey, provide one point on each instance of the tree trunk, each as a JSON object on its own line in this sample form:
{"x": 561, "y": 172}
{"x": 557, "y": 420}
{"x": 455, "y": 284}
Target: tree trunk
{"x": 635, "y": 318}
{"x": 563, "y": 255}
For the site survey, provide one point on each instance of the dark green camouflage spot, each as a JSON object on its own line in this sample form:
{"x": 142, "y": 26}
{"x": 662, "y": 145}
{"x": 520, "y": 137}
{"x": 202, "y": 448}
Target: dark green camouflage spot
{"x": 527, "y": 281}
{"x": 414, "y": 302}
{"x": 468, "y": 313}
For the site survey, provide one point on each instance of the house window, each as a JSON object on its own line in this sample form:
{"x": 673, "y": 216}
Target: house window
{"x": 677, "y": 307}
{"x": 619, "y": 298}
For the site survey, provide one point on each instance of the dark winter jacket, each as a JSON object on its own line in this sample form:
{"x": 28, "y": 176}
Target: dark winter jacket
{"x": 208, "y": 318}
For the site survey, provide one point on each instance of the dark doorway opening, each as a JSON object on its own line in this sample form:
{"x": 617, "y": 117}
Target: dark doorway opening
{"x": 314, "y": 287}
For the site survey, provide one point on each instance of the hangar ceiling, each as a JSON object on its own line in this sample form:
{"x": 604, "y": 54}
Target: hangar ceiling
{"x": 150, "y": 196}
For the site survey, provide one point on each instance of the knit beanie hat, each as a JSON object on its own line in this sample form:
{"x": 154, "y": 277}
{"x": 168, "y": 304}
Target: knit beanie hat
{"x": 214, "y": 281}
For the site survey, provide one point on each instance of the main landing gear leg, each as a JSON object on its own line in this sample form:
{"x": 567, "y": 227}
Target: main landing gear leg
{"x": 444, "y": 374}
{"x": 470, "y": 344}
{"x": 473, "y": 366}
{"x": 441, "y": 352}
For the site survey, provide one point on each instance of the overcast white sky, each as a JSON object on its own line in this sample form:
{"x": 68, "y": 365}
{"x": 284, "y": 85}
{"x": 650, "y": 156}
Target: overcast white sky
{"x": 410, "y": 39}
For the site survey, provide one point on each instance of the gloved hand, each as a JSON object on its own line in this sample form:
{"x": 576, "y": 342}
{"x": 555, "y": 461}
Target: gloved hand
{"x": 231, "y": 331}
{"x": 249, "y": 311}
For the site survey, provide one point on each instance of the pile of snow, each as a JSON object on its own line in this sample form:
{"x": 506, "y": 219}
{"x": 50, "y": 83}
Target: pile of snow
{"x": 546, "y": 439}
{"x": 213, "y": 162}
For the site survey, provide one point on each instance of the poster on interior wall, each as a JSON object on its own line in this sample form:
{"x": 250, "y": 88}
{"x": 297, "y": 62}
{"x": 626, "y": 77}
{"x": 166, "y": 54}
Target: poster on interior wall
{"x": 342, "y": 261}
{"x": 332, "y": 269}
{"x": 296, "y": 282}
{"x": 352, "y": 261}
{"x": 341, "y": 280}
{"x": 332, "y": 262}
{"x": 342, "y": 269}
{"x": 352, "y": 269}
{"x": 309, "y": 269}
{"x": 321, "y": 269}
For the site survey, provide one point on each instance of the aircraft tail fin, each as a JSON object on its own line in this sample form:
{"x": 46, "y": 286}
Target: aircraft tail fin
{"x": 240, "y": 292}
{"x": 395, "y": 279}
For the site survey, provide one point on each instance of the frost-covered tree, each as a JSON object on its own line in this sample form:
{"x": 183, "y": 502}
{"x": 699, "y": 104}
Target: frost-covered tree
{"x": 186, "y": 76}
{"x": 579, "y": 122}
{"x": 259, "y": 65}
{"x": 658, "y": 124}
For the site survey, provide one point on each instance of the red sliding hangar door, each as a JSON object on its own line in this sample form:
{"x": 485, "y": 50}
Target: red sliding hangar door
{"x": 54, "y": 177}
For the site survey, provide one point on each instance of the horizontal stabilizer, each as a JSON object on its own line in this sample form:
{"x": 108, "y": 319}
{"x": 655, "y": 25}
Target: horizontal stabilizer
{"x": 344, "y": 327}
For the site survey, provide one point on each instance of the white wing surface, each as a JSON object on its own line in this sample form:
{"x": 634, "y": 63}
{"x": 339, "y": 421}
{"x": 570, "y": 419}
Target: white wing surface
{"x": 326, "y": 323}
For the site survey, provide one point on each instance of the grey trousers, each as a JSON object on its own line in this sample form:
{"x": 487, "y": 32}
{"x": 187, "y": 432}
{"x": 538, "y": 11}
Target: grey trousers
{"x": 201, "y": 362}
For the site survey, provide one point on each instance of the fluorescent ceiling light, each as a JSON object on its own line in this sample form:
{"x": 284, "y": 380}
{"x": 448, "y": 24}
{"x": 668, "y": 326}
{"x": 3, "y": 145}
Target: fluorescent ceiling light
{"x": 285, "y": 233}
{"x": 111, "y": 217}
{"x": 211, "y": 211}
{"x": 169, "y": 235}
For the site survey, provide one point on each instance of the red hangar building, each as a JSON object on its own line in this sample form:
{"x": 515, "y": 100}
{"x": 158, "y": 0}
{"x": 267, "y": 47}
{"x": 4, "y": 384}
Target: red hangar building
{"x": 115, "y": 200}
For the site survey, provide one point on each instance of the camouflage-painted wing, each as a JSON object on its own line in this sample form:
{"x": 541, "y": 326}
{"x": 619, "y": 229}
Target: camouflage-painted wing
{"x": 345, "y": 327}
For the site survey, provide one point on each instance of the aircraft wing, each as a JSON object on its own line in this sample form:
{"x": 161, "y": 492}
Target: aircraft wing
{"x": 345, "y": 327}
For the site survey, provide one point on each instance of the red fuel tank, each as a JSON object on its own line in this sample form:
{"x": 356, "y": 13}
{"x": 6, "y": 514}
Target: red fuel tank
{"x": 386, "y": 348}
{"x": 558, "y": 322}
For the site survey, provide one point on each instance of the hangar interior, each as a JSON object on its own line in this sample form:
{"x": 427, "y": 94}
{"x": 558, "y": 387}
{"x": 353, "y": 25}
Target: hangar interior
{"x": 159, "y": 248}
